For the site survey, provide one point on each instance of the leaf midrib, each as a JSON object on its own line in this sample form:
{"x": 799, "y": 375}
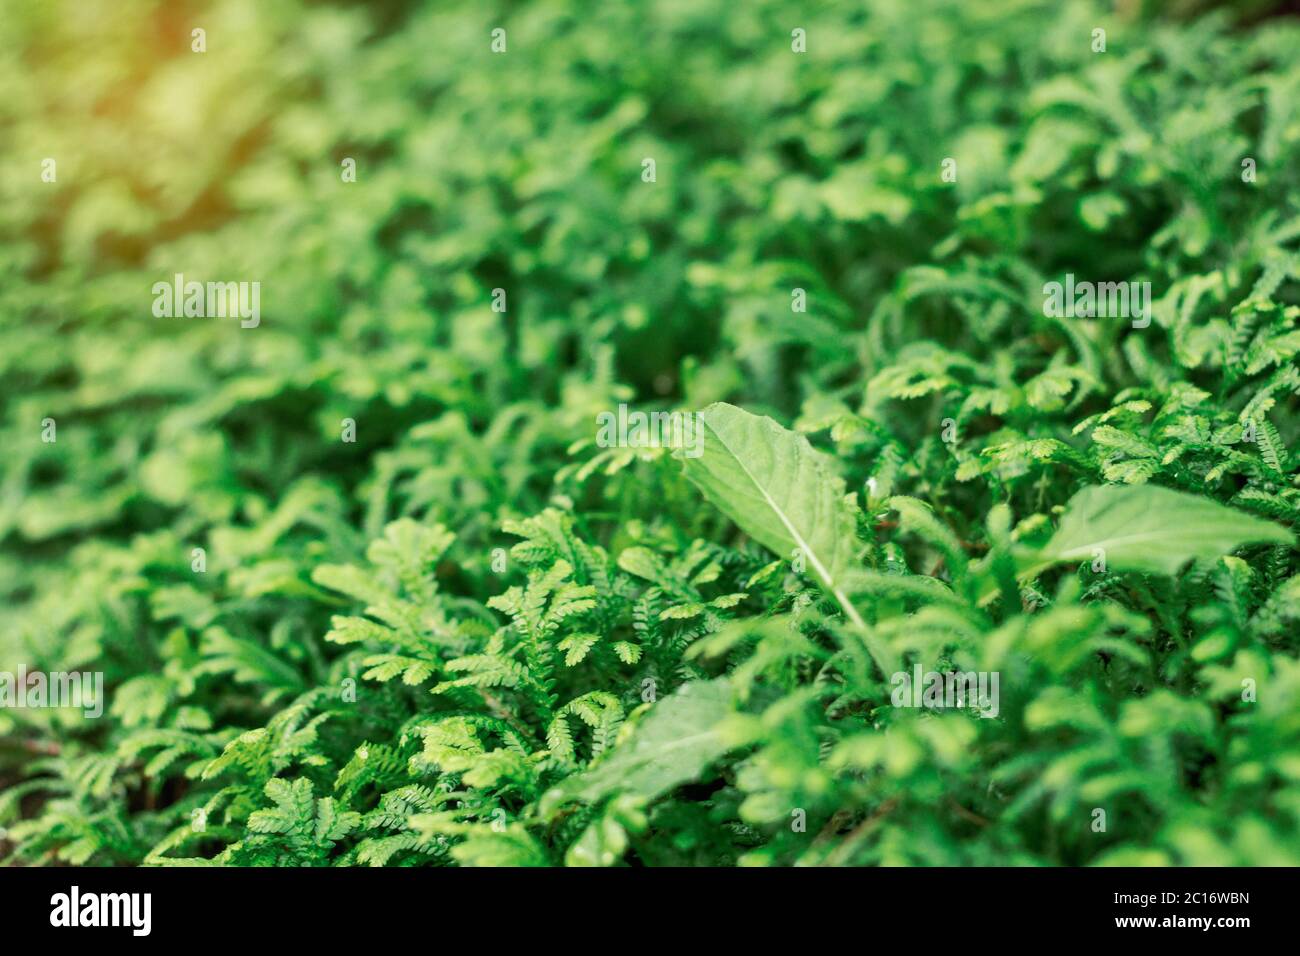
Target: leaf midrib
{"x": 820, "y": 568}
{"x": 1124, "y": 539}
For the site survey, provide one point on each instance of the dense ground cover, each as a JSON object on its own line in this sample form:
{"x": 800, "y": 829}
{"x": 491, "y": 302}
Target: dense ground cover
{"x": 472, "y": 634}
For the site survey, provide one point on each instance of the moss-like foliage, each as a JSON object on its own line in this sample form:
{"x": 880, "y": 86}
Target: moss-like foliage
{"x": 368, "y": 586}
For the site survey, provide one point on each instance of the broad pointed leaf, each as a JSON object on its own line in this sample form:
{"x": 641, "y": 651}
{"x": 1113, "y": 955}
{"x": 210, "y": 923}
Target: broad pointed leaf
{"x": 1153, "y": 529}
{"x": 673, "y": 744}
{"x": 777, "y": 489}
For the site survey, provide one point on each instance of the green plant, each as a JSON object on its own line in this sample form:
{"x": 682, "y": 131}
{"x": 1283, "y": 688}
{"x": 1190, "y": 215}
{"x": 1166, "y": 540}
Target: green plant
{"x": 475, "y": 635}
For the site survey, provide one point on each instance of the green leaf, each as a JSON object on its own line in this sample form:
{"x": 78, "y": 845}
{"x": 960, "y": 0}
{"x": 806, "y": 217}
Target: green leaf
{"x": 498, "y": 850}
{"x": 672, "y": 745}
{"x": 778, "y": 490}
{"x": 1147, "y": 528}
